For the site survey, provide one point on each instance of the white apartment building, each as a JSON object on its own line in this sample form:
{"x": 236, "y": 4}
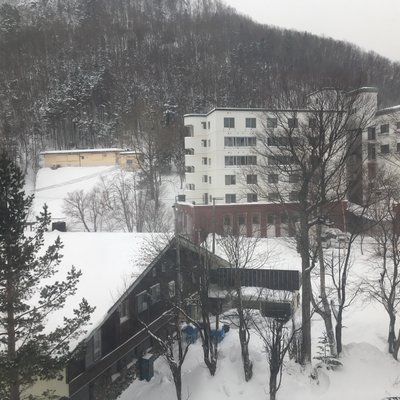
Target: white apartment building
{"x": 222, "y": 142}
{"x": 220, "y": 145}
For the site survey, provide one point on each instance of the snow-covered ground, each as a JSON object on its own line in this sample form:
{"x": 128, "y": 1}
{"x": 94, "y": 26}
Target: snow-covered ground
{"x": 368, "y": 372}
{"x": 52, "y": 186}
{"x": 111, "y": 261}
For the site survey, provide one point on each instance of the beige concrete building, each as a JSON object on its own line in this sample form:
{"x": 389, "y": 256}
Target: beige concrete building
{"x": 91, "y": 158}
{"x": 129, "y": 160}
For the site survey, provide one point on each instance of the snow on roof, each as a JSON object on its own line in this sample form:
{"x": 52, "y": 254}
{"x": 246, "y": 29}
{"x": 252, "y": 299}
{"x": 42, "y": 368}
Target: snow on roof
{"x": 388, "y": 110}
{"x": 270, "y": 253}
{"x": 110, "y": 263}
{"x": 77, "y": 151}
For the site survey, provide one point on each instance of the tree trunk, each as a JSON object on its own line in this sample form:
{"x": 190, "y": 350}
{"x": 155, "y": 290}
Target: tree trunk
{"x": 244, "y": 339}
{"x": 338, "y": 331}
{"x": 396, "y": 347}
{"x": 306, "y": 291}
{"x": 272, "y": 384}
{"x": 178, "y": 382}
{"x": 392, "y": 335}
{"x": 326, "y": 313}
{"x": 11, "y": 342}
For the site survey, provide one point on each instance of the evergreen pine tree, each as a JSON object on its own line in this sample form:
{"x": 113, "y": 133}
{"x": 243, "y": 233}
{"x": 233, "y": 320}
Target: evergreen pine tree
{"x": 29, "y": 292}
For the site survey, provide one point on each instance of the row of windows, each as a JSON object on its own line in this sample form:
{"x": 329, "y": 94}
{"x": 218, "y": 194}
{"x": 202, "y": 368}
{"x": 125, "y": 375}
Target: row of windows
{"x": 250, "y": 179}
{"x": 229, "y": 122}
{"x": 152, "y": 296}
{"x": 274, "y": 178}
{"x": 383, "y": 128}
{"x": 250, "y": 197}
{"x": 385, "y": 149}
{"x": 240, "y": 160}
{"x": 237, "y": 141}
{"x": 241, "y": 219}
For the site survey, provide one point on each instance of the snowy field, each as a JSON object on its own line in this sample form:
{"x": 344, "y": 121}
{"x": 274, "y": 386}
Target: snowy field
{"x": 111, "y": 261}
{"x": 52, "y": 186}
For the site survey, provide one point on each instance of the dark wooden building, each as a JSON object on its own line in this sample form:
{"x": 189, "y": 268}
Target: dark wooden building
{"x": 110, "y": 357}
{"x": 115, "y": 347}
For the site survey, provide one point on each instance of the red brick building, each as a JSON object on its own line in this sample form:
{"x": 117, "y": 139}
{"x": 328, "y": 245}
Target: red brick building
{"x": 250, "y": 219}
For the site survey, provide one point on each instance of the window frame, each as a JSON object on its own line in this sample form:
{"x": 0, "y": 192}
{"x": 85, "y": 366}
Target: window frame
{"x": 249, "y": 122}
{"x": 229, "y": 122}
{"x": 231, "y": 199}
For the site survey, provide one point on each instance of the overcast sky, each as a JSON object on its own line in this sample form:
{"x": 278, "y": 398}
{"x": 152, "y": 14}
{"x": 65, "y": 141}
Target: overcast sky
{"x": 370, "y": 24}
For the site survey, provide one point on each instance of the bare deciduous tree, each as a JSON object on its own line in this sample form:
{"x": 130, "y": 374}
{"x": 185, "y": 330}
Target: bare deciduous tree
{"x": 385, "y": 287}
{"x": 308, "y": 153}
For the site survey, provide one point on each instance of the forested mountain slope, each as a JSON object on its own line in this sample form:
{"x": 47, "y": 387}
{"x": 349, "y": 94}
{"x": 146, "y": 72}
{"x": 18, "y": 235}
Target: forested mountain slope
{"x": 84, "y": 73}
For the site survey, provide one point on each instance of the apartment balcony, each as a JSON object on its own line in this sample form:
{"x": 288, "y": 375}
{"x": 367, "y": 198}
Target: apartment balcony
{"x": 192, "y": 160}
{"x": 191, "y": 142}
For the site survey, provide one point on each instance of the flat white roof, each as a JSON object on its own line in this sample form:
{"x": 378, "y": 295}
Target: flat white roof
{"x": 77, "y": 151}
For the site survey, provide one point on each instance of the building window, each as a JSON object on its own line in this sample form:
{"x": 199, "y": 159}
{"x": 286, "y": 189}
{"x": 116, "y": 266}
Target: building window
{"x": 190, "y": 186}
{"x": 240, "y": 160}
{"x": 385, "y": 149}
{"x": 209, "y": 143}
{"x": 123, "y": 310}
{"x": 242, "y": 224}
{"x": 272, "y": 122}
{"x": 141, "y": 301}
{"x": 252, "y": 197}
{"x": 203, "y": 143}
{"x": 189, "y": 169}
{"x": 385, "y": 128}
{"x": 251, "y": 179}
{"x": 97, "y": 345}
{"x": 205, "y": 198}
{"x": 230, "y": 179}
{"x": 155, "y": 293}
{"x": 397, "y": 125}
{"x": 398, "y": 147}
{"x": 272, "y": 178}
{"x": 204, "y": 125}
{"x": 294, "y": 178}
{"x": 255, "y": 218}
{"x": 371, "y": 152}
{"x": 371, "y": 133}
{"x": 227, "y": 223}
{"x": 270, "y": 219}
{"x": 312, "y": 123}
{"x": 273, "y": 196}
{"x": 250, "y": 122}
{"x": 280, "y": 160}
{"x": 229, "y": 122}
{"x": 280, "y": 141}
{"x": 171, "y": 289}
{"x": 204, "y": 178}
{"x": 230, "y": 198}
{"x": 208, "y": 125}
{"x": 293, "y": 196}
{"x": 204, "y": 160}
{"x": 240, "y": 141}
{"x": 293, "y": 123}
{"x": 209, "y": 179}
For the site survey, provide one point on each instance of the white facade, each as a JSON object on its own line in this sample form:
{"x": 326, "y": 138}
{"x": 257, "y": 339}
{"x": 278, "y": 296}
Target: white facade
{"x": 220, "y": 153}
{"x": 222, "y": 141}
